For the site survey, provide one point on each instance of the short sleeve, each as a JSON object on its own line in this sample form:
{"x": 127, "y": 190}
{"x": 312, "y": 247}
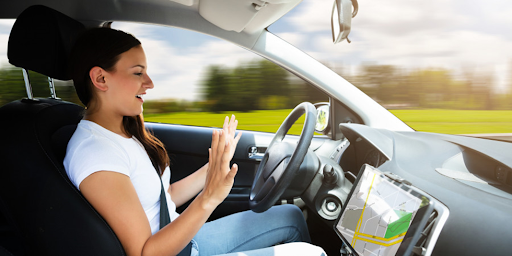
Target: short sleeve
{"x": 87, "y": 156}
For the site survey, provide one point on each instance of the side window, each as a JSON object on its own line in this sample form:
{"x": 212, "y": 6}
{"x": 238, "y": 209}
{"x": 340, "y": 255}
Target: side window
{"x": 200, "y": 79}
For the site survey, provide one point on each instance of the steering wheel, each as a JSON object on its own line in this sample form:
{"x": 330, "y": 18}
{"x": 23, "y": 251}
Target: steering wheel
{"x": 282, "y": 160}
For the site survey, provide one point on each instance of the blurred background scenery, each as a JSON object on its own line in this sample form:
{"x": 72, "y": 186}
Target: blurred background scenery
{"x": 440, "y": 66}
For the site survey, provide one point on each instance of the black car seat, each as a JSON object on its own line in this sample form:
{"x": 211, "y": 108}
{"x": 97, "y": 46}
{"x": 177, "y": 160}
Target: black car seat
{"x": 41, "y": 212}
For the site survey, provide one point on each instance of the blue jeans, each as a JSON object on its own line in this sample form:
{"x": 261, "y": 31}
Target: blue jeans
{"x": 248, "y": 230}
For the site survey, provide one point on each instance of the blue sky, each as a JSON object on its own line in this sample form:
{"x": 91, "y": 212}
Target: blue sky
{"x": 453, "y": 34}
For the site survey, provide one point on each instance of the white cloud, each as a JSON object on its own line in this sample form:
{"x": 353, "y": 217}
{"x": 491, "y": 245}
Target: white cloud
{"x": 312, "y": 16}
{"x": 3, "y": 49}
{"x": 5, "y": 29}
{"x": 6, "y": 23}
{"x": 137, "y": 29}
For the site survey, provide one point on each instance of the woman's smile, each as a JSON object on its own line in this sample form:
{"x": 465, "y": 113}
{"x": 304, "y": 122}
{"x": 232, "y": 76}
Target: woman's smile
{"x": 140, "y": 97}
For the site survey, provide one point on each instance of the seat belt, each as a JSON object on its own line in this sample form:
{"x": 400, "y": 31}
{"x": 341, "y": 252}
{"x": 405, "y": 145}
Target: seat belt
{"x": 164, "y": 212}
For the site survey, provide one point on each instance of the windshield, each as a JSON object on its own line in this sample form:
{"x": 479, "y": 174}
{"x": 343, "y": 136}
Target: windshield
{"x": 440, "y": 66}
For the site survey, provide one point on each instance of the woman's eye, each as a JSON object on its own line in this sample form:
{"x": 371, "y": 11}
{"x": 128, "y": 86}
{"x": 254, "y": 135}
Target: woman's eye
{"x": 138, "y": 74}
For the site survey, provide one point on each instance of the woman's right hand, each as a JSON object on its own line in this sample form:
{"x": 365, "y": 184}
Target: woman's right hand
{"x": 220, "y": 177}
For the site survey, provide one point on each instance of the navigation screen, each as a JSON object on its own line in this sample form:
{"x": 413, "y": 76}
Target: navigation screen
{"x": 378, "y": 214}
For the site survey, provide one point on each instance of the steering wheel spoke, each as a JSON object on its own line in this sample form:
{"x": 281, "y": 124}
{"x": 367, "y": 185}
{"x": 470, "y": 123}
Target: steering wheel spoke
{"x": 276, "y": 155}
{"x": 278, "y": 172}
{"x": 264, "y": 189}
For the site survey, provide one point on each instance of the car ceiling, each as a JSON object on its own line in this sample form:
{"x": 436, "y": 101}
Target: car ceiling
{"x": 238, "y": 21}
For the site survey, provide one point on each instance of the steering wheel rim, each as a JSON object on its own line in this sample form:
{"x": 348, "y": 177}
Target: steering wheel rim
{"x": 282, "y": 160}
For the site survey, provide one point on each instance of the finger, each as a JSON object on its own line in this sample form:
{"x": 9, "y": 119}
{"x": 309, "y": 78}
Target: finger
{"x": 232, "y": 125}
{"x": 210, "y": 163}
{"x": 237, "y": 138}
{"x": 226, "y": 158}
{"x": 215, "y": 142}
{"x": 232, "y": 173}
{"x": 234, "y": 143}
{"x": 235, "y": 124}
{"x": 221, "y": 146}
{"x": 226, "y": 123}
{"x": 225, "y": 129}
{"x": 209, "y": 171}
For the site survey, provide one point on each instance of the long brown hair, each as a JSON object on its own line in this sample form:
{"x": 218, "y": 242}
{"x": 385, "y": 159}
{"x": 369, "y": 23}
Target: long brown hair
{"x": 134, "y": 125}
{"x": 102, "y": 47}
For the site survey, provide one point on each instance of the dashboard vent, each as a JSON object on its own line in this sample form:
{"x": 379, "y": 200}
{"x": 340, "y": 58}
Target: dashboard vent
{"x": 421, "y": 247}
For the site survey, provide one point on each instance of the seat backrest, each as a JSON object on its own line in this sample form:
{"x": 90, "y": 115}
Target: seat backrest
{"x": 41, "y": 212}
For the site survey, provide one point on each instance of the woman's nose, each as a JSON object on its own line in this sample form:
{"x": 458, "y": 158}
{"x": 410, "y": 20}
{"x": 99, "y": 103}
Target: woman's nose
{"x": 148, "y": 83}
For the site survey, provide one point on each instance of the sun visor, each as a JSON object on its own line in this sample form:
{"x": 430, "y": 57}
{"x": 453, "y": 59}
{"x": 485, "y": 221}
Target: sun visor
{"x": 244, "y": 15}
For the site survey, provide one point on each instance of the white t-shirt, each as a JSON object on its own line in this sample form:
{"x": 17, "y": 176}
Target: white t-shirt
{"x": 93, "y": 148}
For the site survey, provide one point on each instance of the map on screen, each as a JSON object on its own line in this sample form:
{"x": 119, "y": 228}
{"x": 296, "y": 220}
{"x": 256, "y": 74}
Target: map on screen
{"x": 378, "y": 214}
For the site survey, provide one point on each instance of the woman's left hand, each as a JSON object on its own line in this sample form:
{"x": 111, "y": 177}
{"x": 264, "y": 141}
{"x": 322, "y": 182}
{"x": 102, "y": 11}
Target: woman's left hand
{"x": 220, "y": 177}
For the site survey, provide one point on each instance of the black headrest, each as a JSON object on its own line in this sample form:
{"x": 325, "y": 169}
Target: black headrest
{"x": 41, "y": 40}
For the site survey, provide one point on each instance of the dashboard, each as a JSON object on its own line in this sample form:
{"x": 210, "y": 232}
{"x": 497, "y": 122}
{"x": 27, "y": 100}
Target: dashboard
{"x": 468, "y": 179}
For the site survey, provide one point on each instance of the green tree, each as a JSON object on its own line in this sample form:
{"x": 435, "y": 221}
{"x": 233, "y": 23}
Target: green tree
{"x": 253, "y": 85}
{"x": 216, "y": 88}
{"x": 377, "y": 81}
{"x": 245, "y": 88}
{"x": 430, "y": 87}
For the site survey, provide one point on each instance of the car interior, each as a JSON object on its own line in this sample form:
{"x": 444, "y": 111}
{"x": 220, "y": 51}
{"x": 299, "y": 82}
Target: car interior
{"x": 467, "y": 181}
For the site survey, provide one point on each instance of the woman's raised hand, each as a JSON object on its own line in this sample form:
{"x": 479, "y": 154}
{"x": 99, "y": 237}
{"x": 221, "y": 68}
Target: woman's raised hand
{"x": 220, "y": 177}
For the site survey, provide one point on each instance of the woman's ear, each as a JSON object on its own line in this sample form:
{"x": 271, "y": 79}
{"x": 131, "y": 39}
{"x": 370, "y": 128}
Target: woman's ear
{"x": 97, "y": 76}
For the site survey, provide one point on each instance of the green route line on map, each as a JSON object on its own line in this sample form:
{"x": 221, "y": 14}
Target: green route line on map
{"x": 399, "y": 226}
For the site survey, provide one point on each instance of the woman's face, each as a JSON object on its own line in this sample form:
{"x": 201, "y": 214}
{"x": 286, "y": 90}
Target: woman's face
{"x": 127, "y": 83}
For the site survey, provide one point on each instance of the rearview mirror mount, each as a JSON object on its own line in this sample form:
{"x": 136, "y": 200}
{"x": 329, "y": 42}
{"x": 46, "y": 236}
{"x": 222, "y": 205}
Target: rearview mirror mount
{"x": 341, "y": 19}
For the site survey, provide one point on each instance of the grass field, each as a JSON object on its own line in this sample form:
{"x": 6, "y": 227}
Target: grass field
{"x": 428, "y": 120}
{"x": 264, "y": 120}
{"x": 457, "y": 121}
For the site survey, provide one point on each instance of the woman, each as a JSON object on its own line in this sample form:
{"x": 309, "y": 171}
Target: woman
{"x": 110, "y": 160}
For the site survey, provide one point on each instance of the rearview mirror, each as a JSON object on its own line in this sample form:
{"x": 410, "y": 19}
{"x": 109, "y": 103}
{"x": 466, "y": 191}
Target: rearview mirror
{"x": 341, "y": 19}
{"x": 322, "y": 117}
